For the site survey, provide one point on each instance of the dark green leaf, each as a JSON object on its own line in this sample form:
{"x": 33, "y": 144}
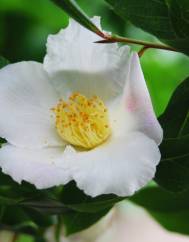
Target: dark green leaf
{"x": 45, "y": 205}
{"x": 152, "y": 16}
{"x": 171, "y": 210}
{"x": 175, "y": 222}
{"x": 6, "y": 180}
{"x": 158, "y": 200}
{"x": 167, "y": 20}
{"x": 173, "y": 170}
{"x": 75, "y": 221}
{"x": 22, "y": 221}
{"x": 175, "y": 120}
{"x": 75, "y": 199}
{"x": 5, "y": 201}
{"x": 178, "y": 10}
{"x": 2, "y": 141}
{"x": 27, "y": 196}
{"x": 3, "y": 62}
{"x": 43, "y": 220}
{"x": 74, "y": 11}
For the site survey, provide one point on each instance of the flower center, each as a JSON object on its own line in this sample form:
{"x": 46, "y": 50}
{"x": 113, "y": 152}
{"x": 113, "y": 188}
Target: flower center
{"x": 81, "y": 121}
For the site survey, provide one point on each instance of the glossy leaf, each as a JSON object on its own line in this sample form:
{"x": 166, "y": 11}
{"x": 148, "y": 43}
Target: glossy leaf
{"x": 167, "y": 20}
{"x": 158, "y": 200}
{"x": 171, "y": 210}
{"x": 174, "y": 222}
{"x": 46, "y": 206}
{"x": 173, "y": 170}
{"x": 175, "y": 120}
{"x": 76, "y": 221}
{"x": 75, "y": 199}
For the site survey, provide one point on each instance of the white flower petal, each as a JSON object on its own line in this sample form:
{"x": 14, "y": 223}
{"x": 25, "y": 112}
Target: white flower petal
{"x": 26, "y": 97}
{"x": 78, "y": 64}
{"x": 121, "y": 167}
{"x": 138, "y": 103}
{"x": 41, "y": 167}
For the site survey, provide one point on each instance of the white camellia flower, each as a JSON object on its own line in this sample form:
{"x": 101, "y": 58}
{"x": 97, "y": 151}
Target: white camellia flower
{"x": 84, "y": 115}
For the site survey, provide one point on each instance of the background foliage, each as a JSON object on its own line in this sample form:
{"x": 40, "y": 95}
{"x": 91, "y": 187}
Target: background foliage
{"x": 24, "y": 27}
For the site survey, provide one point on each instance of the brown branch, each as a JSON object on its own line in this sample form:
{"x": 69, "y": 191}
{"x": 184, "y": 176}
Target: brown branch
{"x": 146, "y": 45}
{"x": 142, "y": 50}
{"x": 15, "y": 237}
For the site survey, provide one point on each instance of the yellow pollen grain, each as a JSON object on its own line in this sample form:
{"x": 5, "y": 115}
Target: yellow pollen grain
{"x": 81, "y": 121}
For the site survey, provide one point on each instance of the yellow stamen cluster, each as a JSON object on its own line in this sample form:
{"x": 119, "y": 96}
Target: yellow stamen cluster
{"x": 81, "y": 121}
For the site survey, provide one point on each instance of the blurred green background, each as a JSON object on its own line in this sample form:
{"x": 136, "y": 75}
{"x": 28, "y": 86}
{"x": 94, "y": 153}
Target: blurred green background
{"x": 25, "y": 25}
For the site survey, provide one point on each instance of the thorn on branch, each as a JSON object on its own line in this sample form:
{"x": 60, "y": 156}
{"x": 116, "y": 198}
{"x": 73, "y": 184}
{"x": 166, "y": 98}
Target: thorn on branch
{"x": 105, "y": 41}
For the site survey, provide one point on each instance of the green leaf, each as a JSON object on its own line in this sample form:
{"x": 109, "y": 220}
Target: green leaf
{"x": 2, "y": 141}
{"x": 167, "y": 20}
{"x": 75, "y": 199}
{"x": 3, "y": 62}
{"x": 175, "y": 120}
{"x": 178, "y": 10}
{"x": 5, "y": 201}
{"x": 174, "y": 222}
{"x": 24, "y": 221}
{"x": 171, "y": 210}
{"x": 74, "y": 11}
{"x": 45, "y": 205}
{"x": 77, "y": 210}
{"x": 173, "y": 170}
{"x": 76, "y": 221}
{"x": 158, "y": 200}
{"x": 27, "y": 196}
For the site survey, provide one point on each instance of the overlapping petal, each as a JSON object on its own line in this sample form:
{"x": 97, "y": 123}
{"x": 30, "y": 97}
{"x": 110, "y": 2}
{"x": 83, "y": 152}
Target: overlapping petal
{"x": 76, "y": 63}
{"x": 121, "y": 167}
{"x": 26, "y": 97}
{"x": 138, "y": 103}
{"x": 41, "y": 167}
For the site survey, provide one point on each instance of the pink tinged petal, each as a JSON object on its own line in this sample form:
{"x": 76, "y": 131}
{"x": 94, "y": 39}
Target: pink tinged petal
{"x": 26, "y": 97}
{"x": 121, "y": 166}
{"x": 138, "y": 103}
{"x": 76, "y": 63}
{"x": 41, "y": 167}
